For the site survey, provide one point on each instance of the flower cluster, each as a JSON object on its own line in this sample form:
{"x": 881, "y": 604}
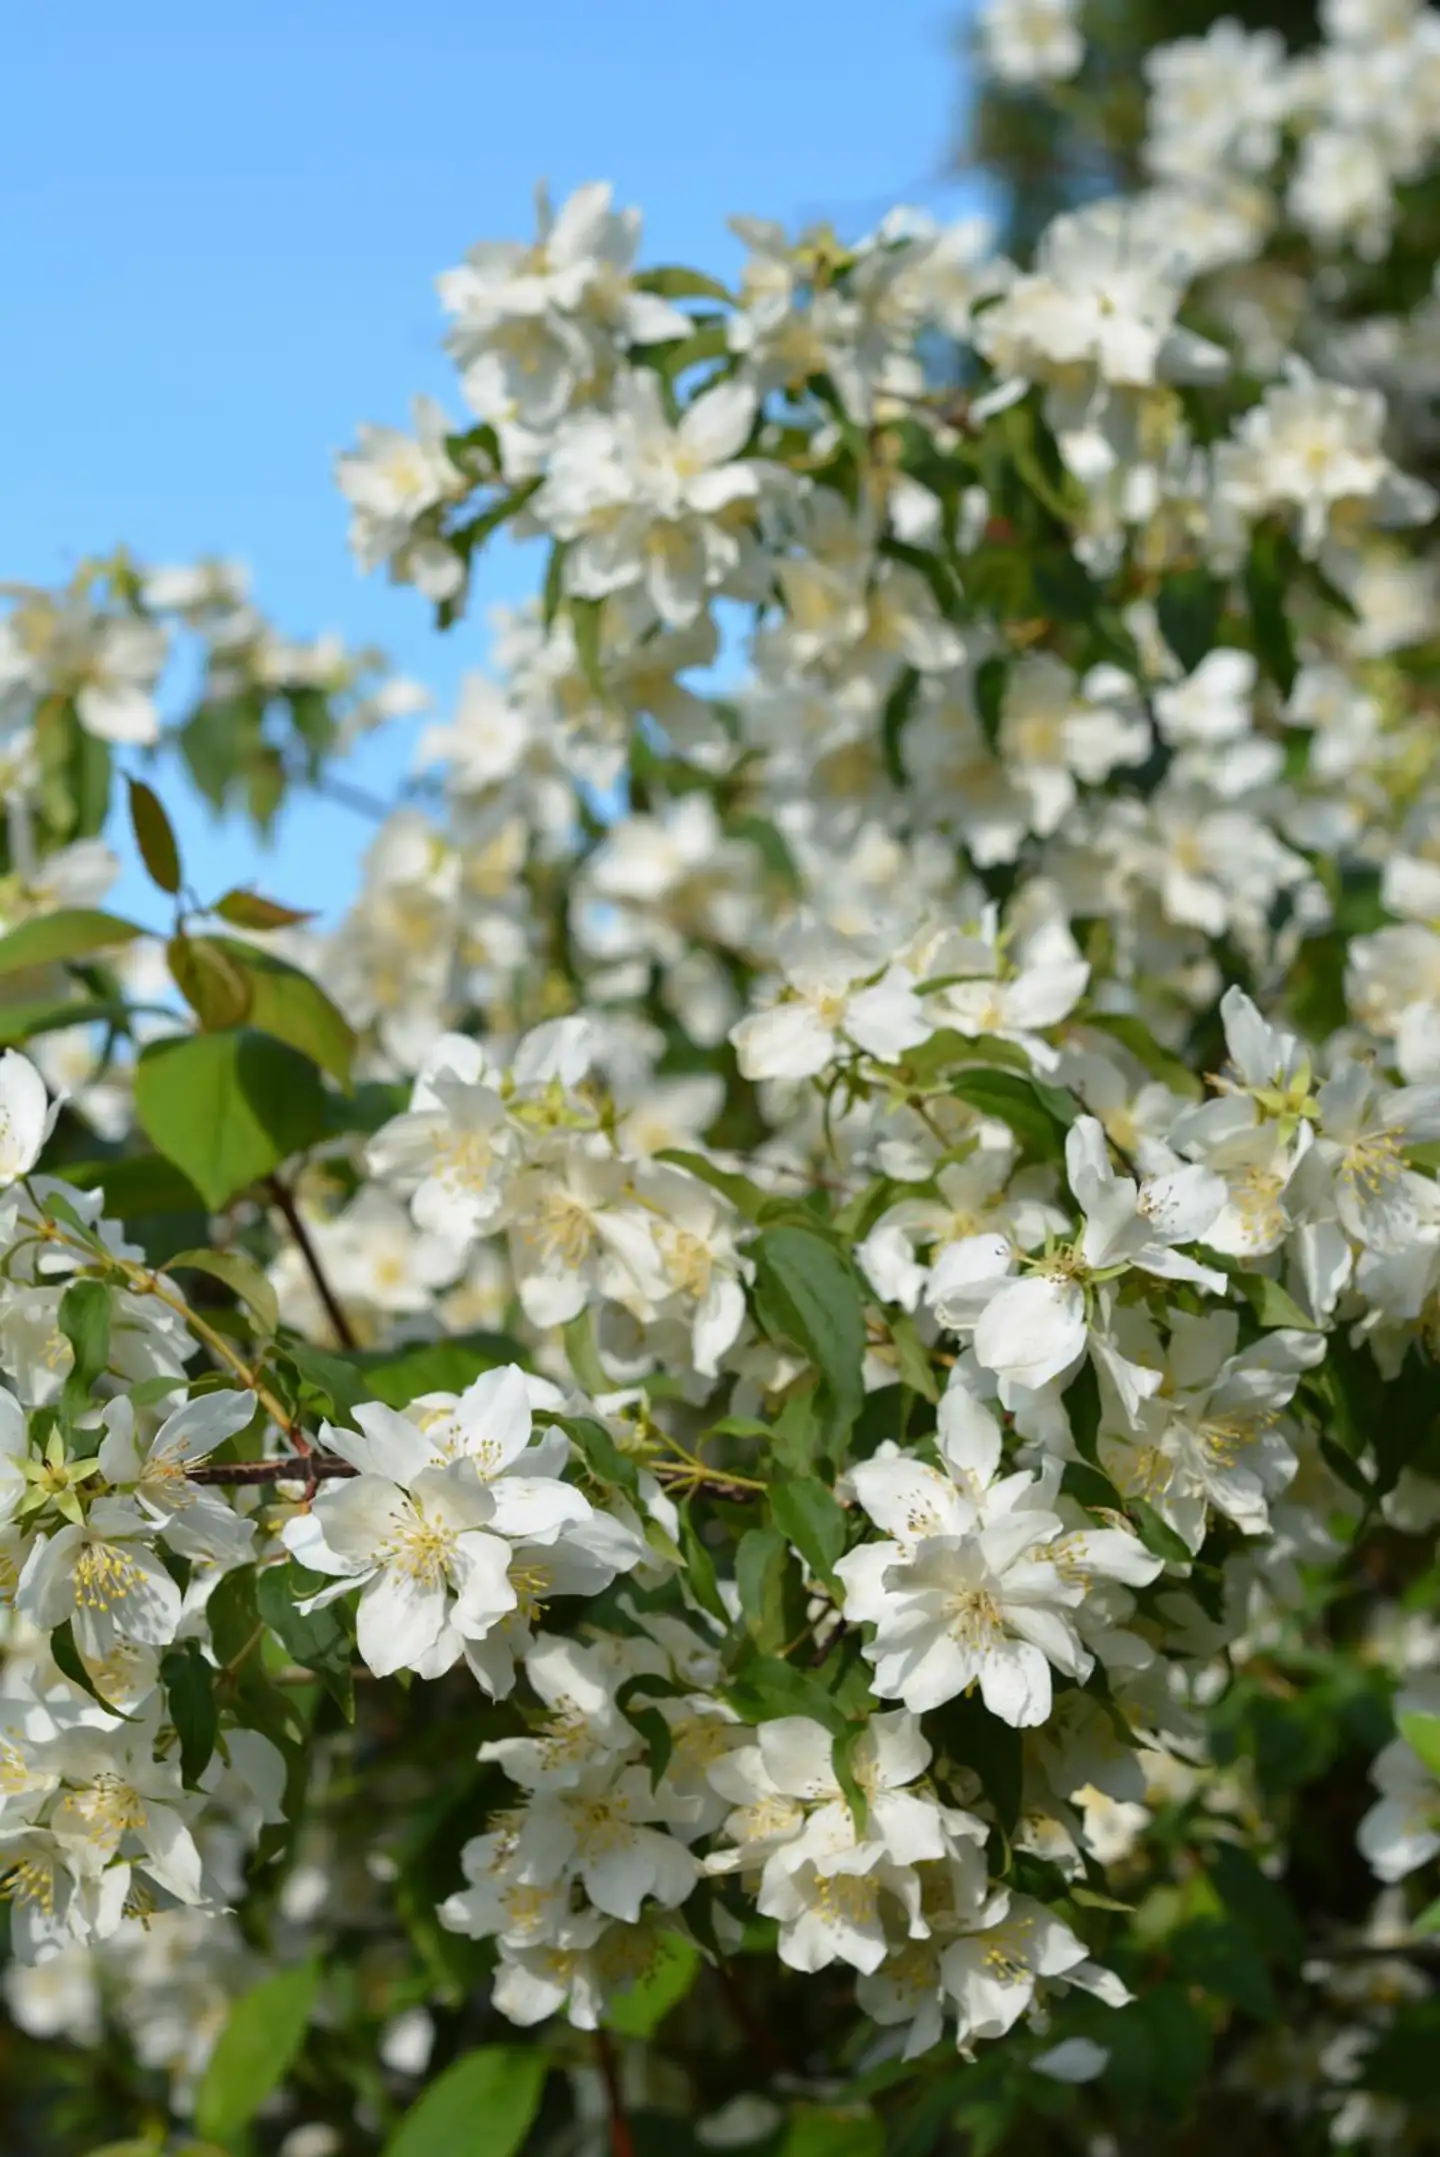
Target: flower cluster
{"x": 817, "y": 1319}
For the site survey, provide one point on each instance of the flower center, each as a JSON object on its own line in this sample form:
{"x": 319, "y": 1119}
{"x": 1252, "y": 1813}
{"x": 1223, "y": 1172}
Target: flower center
{"x": 421, "y": 1548}
{"x": 104, "y": 1575}
{"x": 975, "y": 1617}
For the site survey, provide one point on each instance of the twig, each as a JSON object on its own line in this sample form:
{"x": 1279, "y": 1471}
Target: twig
{"x": 339, "y": 1322}
{"x": 748, "y": 2022}
{"x": 144, "y": 1281}
{"x": 306, "y": 1468}
{"x": 354, "y": 797}
{"x": 622, "y": 2141}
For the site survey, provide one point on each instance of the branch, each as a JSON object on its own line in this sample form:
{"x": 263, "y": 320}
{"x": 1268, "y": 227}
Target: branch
{"x": 622, "y": 2141}
{"x": 747, "y": 2021}
{"x": 299, "y": 1468}
{"x": 339, "y": 1322}
{"x": 353, "y": 797}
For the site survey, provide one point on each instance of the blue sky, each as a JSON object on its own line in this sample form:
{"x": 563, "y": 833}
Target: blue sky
{"x": 224, "y": 225}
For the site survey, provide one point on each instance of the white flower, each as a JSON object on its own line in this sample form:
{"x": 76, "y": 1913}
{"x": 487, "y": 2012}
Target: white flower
{"x": 829, "y": 1002}
{"x": 393, "y": 478}
{"x": 1215, "y": 99}
{"x": 1215, "y": 1436}
{"x": 968, "y": 1590}
{"x": 116, "y": 701}
{"x": 102, "y": 1575}
{"x": 453, "y": 1145}
{"x": 1101, "y": 302}
{"x": 991, "y": 1973}
{"x": 1210, "y": 705}
{"x": 420, "y": 1529}
{"x": 647, "y": 504}
{"x": 1401, "y": 1831}
{"x": 192, "y": 1520}
{"x": 1055, "y": 730}
{"x": 577, "y": 1233}
{"x": 694, "y": 1233}
{"x": 1032, "y": 40}
{"x": 26, "y": 1115}
{"x": 797, "y": 1758}
{"x": 1365, "y": 1129}
{"x": 604, "y": 1835}
{"x": 1316, "y": 447}
{"x": 1031, "y": 1330}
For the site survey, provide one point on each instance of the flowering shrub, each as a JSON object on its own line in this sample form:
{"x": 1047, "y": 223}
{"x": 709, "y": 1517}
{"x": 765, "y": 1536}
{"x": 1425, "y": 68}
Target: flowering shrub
{"x": 756, "y": 1466}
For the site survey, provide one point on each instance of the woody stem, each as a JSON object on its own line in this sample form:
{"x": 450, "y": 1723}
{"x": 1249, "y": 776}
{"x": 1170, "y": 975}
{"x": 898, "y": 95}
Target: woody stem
{"x": 622, "y": 2141}
{"x": 344, "y": 1333}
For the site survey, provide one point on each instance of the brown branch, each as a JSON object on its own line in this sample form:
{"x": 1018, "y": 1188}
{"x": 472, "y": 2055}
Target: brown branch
{"x": 309, "y": 1468}
{"x": 622, "y": 2141}
{"x": 339, "y": 1322}
{"x": 748, "y": 2022}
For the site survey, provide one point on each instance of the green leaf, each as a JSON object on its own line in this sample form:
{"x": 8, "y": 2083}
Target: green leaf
{"x": 1272, "y": 1304}
{"x": 1132, "y": 1033}
{"x": 1217, "y": 1955}
{"x": 336, "y": 1378}
{"x": 1422, "y": 1734}
{"x": 84, "y": 1319}
{"x": 810, "y": 1517}
{"x": 1081, "y": 1400}
{"x": 830, "y": 2131}
{"x": 483, "y": 2106}
{"x": 648, "y": 1722}
{"x": 842, "y": 1758}
{"x": 154, "y": 836}
{"x": 991, "y": 677}
{"x": 317, "y": 1640}
{"x": 73, "y": 932}
{"x": 912, "y": 1357}
{"x": 767, "y": 1687}
{"x": 68, "y": 1661}
{"x": 1156, "y": 1536}
{"x": 211, "y": 984}
{"x": 397, "y": 1376}
{"x": 974, "y": 1738}
{"x": 807, "y": 1293}
{"x": 700, "y": 1568}
{"x": 1189, "y": 605}
{"x": 288, "y": 1004}
{"x": 1405, "y": 2061}
{"x": 46, "y": 1015}
{"x": 762, "y": 1561}
{"x": 231, "y": 1614}
{"x": 583, "y": 1356}
{"x": 467, "y": 537}
{"x": 795, "y": 1438}
{"x": 240, "y": 1274}
{"x": 1039, "y": 1115}
{"x": 640, "y": 2011}
{"x": 247, "y": 910}
{"x": 256, "y": 2050}
{"x": 674, "y": 282}
{"x": 899, "y": 706}
{"x": 227, "y": 1108}
{"x": 585, "y": 626}
{"x": 708, "y": 343}
{"x": 1258, "y": 1904}
{"x": 190, "y": 1696}
{"x": 743, "y": 1195}
{"x": 1272, "y": 553}
{"x": 602, "y": 1456}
